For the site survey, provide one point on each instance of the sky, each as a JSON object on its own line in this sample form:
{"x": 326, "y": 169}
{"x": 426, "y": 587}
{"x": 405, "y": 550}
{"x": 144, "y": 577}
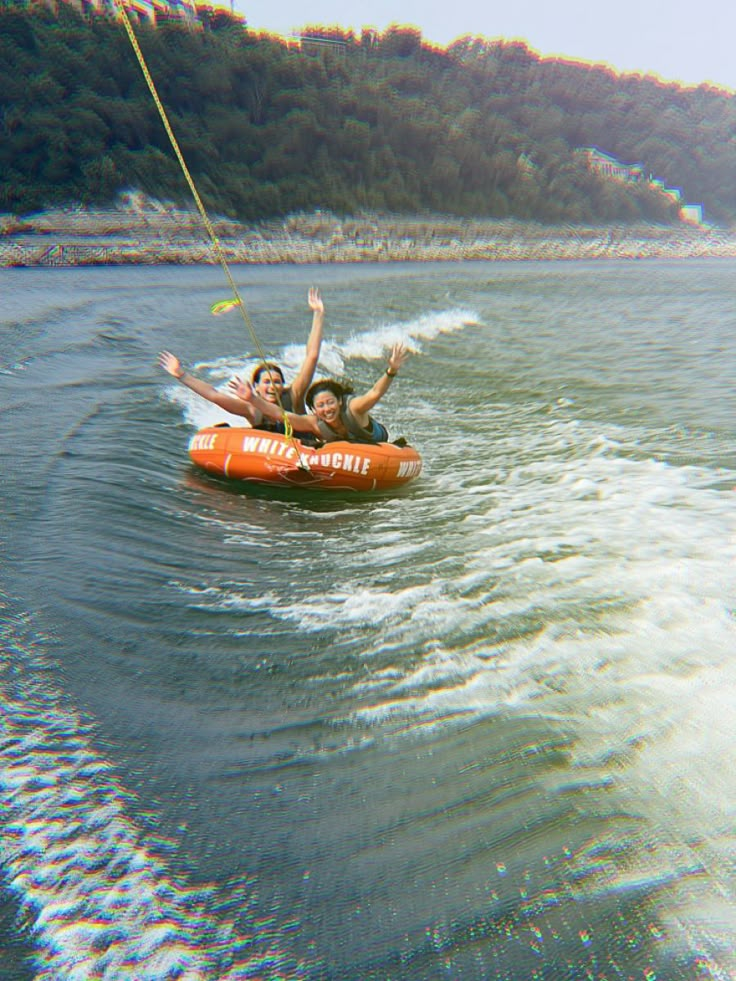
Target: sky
{"x": 685, "y": 41}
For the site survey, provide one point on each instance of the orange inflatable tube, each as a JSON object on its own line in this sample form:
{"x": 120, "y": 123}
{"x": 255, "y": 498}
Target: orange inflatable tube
{"x": 268, "y": 458}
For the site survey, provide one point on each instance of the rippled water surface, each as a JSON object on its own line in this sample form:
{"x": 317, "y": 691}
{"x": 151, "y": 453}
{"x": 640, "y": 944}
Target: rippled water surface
{"x": 478, "y": 729}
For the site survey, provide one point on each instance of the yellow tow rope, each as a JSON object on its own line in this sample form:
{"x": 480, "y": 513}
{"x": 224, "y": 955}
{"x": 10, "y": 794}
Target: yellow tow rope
{"x": 216, "y": 246}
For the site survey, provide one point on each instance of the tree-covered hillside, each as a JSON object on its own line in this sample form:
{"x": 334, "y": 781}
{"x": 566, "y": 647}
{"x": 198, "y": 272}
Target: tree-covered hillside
{"x": 380, "y": 122}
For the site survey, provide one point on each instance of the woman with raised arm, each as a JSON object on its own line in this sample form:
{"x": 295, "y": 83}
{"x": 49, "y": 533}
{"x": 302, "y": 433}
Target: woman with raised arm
{"x": 267, "y": 378}
{"x": 338, "y": 414}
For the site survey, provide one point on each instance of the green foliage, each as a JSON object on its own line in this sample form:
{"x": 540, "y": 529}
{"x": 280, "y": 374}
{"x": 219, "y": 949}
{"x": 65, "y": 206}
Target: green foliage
{"x": 383, "y": 122}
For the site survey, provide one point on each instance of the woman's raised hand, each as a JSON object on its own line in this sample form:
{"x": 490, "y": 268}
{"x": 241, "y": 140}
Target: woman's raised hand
{"x": 398, "y": 356}
{"x": 315, "y": 300}
{"x": 241, "y": 389}
{"x": 169, "y": 362}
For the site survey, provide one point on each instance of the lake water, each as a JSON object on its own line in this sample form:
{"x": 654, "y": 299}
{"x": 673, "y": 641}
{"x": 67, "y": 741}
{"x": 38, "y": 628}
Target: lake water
{"x": 480, "y": 729}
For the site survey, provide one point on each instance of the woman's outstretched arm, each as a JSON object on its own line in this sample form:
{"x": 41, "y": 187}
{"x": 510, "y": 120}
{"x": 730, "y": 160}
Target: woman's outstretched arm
{"x": 170, "y": 363}
{"x": 361, "y": 405}
{"x": 303, "y": 380}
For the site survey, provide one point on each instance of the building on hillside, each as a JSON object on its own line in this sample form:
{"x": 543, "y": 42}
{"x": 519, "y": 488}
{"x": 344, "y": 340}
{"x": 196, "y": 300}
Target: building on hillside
{"x": 608, "y": 166}
{"x": 153, "y": 11}
{"x": 311, "y": 44}
{"x": 692, "y": 214}
{"x": 141, "y": 11}
{"x": 673, "y": 193}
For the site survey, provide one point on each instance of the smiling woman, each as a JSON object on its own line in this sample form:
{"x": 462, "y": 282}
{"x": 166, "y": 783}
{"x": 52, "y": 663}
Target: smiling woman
{"x": 337, "y": 416}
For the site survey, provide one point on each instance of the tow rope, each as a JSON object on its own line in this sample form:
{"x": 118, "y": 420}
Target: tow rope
{"x": 216, "y": 245}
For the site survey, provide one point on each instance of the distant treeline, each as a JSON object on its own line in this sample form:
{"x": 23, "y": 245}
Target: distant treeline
{"x": 381, "y": 122}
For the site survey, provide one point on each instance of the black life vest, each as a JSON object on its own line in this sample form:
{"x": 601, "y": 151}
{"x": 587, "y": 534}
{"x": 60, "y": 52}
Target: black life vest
{"x": 277, "y": 425}
{"x": 356, "y": 432}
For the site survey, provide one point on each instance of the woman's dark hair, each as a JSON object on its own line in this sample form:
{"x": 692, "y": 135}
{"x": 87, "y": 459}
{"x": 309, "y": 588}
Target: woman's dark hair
{"x": 266, "y": 366}
{"x": 338, "y": 389}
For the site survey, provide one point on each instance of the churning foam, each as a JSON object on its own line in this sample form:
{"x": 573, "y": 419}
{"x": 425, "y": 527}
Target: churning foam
{"x": 99, "y": 902}
{"x": 373, "y": 344}
{"x": 369, "y": 345}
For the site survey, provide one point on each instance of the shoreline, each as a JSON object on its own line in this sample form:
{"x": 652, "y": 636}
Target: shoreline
{"x": 158, "y": 234}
